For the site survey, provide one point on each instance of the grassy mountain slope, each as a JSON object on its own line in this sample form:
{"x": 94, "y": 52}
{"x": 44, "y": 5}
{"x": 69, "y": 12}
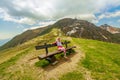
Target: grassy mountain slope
{"x": 24, "y": 37}
{"x": 116, "y": 38}
{"x": 81, "y": 28}
{"x": 3, "y": 41}
{"x": 101, "y": 61}
{"x": 14, "y": 61}
{"x": 70, "y": 27}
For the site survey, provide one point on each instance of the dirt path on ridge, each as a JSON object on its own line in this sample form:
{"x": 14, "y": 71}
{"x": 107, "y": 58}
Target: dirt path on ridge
{"x": 63, "y": 66}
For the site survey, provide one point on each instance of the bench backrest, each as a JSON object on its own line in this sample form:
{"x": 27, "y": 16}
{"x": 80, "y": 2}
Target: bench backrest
{"x": 46, "y": 46}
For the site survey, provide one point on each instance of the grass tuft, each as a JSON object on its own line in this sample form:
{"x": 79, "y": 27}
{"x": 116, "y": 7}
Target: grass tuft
{"x": 73, "y": 76}
{"x": 42, "y": 63}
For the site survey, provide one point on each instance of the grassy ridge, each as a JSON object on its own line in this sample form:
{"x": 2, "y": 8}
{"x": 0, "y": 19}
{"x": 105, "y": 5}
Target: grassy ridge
{"x": 102, "y": 59}
{"x": 11, "y": 61}
{"x": 75, "y": 75}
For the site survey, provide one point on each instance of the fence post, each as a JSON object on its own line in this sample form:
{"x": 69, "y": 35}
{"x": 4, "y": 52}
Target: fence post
{"x": 46, "y": 48}
{"x": 65, "y": 44}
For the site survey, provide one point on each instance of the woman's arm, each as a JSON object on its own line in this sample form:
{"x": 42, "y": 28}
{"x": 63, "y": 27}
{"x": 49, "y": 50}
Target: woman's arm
{"x": 54, "y": 43}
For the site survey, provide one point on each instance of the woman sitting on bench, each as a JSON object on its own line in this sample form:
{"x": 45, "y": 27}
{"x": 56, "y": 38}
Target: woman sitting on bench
{"x": 60, "y": 47}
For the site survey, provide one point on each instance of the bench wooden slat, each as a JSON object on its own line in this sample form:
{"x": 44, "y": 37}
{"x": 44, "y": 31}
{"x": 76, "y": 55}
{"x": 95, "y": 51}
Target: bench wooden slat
{"x": 53, "y": 53}
{"x": 44, "y": 46}
{"x": 48, "y": 45}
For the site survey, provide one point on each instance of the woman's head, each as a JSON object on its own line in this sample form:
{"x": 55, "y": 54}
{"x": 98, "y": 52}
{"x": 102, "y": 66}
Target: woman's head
{"x": 58, "y": 39}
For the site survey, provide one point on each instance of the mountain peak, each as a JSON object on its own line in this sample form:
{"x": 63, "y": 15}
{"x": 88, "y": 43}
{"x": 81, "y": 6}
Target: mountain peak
{"x": 105, "y": 25}
{"x": 67, "y": 22}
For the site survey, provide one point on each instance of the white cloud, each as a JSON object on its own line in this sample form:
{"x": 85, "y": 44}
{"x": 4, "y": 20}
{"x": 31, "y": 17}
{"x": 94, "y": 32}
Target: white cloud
{"x": 35, "y": 12}
{"x": 21, "y": 21}
{"x": 34, "y": 27}
{"x": 20, "y": 26}
{"x": 5, "y": 36}
{"x": 119, "y": 20}
{"x": 42, "y": 24}
{"x": 30, "y": 11}
{"x": 83, "y": 16}
{"x": 26, "y": 21}
{"x": 109, "y": 15}
{"x": 103, "y": 5}
{"x": 45, "y": 23}
{"x": 88, "y": 17}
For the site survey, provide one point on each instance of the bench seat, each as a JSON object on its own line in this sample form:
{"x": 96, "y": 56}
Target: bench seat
{"x": 43, "y": 56}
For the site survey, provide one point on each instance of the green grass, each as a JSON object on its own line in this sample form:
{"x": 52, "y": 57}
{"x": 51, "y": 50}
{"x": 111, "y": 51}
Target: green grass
{"x": 102, "y": 59}
{"x": 59, "y": 56}
{"x": 42, "y": 63}
{"x": 11, "y": 61}
{"x": 73, "y": 76}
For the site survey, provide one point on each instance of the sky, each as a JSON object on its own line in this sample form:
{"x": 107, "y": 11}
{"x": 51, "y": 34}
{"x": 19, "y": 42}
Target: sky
{"x": 17, "y": 16}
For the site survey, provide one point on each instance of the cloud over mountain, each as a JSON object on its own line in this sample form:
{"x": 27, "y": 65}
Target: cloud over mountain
{"x": 31, "y": 11}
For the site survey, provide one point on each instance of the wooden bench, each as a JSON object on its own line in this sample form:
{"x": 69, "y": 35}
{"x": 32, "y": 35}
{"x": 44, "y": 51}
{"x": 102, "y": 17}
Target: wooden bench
{"x": 50, "y": 56}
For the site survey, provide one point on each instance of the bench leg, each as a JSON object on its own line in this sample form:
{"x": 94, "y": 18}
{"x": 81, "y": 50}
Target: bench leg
{"x": 71, "y": 51}
{"x": 51, "y": 59}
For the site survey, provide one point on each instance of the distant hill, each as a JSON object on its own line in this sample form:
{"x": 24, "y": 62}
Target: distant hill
{"x": 70, "y": 27}
{"x": 111, "y": 29}
{"x": 3, "y": 41}
{"x": 24, "y": 37}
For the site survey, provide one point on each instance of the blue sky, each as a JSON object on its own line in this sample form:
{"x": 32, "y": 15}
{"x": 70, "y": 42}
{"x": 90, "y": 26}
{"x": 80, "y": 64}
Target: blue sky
{"x": 17, "y": 16}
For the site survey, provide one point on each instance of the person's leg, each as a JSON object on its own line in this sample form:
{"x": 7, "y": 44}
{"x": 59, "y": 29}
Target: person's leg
{"x": 64, "y": 50}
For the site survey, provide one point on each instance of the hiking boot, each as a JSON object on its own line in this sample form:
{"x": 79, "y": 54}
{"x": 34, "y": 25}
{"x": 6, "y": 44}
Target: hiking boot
{"x": 65, "y": 57}
{"x": 54, "y": 62}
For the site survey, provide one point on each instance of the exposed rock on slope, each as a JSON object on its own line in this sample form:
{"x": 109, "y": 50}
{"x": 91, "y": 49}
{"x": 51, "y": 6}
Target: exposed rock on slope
{"x": 110, "y": 29}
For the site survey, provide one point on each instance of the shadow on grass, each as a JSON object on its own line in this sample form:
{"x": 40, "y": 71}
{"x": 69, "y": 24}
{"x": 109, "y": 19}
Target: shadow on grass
{"x": 60, "y": 62}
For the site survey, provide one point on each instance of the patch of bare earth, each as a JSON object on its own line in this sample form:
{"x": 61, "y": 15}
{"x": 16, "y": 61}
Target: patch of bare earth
{"x": 64, "y": 66}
